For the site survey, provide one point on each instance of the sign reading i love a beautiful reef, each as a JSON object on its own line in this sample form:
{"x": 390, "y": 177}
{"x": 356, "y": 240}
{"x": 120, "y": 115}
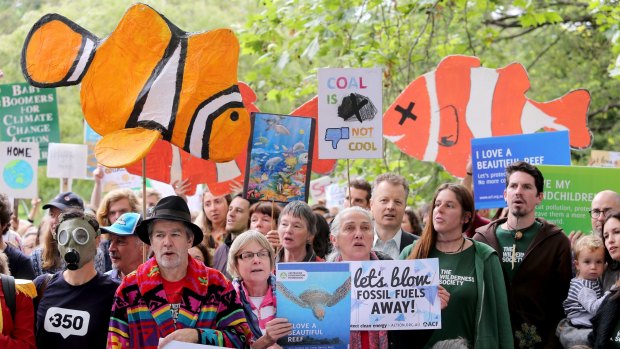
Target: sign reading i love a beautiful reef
{"x": 29, "y": 114}
{"x": 490, "y": 157}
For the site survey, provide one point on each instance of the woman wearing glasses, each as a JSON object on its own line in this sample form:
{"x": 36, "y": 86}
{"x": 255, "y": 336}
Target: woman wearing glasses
{"x": 250, "y": 262}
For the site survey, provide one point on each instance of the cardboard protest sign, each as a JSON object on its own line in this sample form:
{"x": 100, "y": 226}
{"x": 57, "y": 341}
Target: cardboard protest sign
{"x": 119, "y": 178}
{"x": 602, "y": 158}
{"x": 440, "y": 112}
{"x": 490, "y": 156}
{"x": 569, "y": 191}
{"x": 29, "y": 114}
{"x": 314, "y": 297}
{"x": 317, "y": 187}
{"x": 395, "y": 295}
{"x": 350, "y": 105}
{"x": 334, "y": 195}
{"x": 19, "y": 164}
{"x": 279, "y": 158}
{"x": 67, "y": 160}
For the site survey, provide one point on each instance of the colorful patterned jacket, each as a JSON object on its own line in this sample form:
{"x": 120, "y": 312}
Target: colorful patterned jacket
{"x": 141, "y": 314}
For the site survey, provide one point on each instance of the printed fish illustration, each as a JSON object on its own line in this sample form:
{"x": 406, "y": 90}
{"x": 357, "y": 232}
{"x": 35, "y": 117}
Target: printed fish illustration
{"x": 147, "y": 80}
{"x": 437, "y": 115}
{"x": 274, "y": 124}
{"x": 311, "y": 109}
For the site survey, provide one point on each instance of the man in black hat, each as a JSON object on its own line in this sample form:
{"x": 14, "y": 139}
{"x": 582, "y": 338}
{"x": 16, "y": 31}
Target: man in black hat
{"x": 172, "y": 296}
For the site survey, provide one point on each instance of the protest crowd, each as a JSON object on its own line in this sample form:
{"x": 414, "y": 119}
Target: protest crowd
{"x": 127, "y": 268}
{"x": 101, "y": 274}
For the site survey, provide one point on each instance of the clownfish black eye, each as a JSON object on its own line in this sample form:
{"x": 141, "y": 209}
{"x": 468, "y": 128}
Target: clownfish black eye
{"x": 234, "y": 116}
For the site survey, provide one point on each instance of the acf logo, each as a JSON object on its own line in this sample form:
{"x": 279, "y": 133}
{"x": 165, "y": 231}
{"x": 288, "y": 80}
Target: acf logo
{"x": 66, "y": 322}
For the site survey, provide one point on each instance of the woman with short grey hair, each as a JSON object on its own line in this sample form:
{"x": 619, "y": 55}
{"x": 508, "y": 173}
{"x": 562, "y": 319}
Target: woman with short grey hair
{"x": 296, "y": 229}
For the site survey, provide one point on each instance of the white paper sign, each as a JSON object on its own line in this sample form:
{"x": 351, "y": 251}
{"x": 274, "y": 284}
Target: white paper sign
{"x": 334, "y": 195}
{"x": 395, "y": 295}
{"x": 67, "y": 160}
{"x": 317, "y": 187}
{"x": 119, "y": 178}
{"x": 350, "y": 113}
{"x": 18, "y": 163}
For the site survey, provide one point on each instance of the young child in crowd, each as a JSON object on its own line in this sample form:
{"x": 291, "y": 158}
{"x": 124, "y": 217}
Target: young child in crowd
{"x": 586, "y": 294}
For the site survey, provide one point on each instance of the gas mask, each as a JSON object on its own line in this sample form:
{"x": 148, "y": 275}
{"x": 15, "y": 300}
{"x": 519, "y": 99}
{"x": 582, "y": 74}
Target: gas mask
{"x": 76, "y": 242}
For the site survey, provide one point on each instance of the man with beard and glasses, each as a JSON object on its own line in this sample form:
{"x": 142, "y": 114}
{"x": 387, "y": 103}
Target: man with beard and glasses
{"x": 535, "y": 257}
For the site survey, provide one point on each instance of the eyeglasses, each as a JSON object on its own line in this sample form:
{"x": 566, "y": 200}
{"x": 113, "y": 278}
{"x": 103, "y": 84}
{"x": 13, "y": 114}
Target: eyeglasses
{"x": 596, "y": 213}
{"x": 247, "y": 256}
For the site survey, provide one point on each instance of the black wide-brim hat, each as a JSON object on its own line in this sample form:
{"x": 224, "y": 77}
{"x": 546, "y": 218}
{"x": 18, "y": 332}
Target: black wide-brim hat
{"x": 171, "y": 208}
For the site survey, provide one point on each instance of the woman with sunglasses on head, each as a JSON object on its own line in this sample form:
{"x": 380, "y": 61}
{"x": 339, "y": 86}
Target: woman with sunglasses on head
{"x": 250, "y": 263}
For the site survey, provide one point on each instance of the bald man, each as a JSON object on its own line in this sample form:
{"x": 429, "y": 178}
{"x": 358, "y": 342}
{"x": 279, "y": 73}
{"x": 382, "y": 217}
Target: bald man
{"x": 603, "y": 203}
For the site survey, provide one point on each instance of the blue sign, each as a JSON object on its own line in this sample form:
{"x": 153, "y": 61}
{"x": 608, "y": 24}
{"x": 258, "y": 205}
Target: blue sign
{"x": 491, "y": 156}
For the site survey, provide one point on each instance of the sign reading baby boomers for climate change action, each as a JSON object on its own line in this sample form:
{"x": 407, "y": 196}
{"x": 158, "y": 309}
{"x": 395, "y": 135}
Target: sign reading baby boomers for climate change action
{"x": 395, "y": 295}
{"x": 350, "y": 119}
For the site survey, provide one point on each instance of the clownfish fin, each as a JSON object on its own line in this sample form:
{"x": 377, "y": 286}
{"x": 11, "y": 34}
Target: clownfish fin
{"x": 124, "y": 147}
{"x": 569, "y": 112}
{"x": 226, "y": 171}
{"x": 57, "y": 52}
{"x": 458, "y": 62}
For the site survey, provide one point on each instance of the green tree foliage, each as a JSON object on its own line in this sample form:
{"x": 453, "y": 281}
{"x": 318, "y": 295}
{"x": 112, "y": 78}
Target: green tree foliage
{"x": 100, "y": 18}
{"x": 563, "y": 44}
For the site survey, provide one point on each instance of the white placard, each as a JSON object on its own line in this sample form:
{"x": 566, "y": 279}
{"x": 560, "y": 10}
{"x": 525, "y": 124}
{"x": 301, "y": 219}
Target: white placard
{"x": 317, "y": 187}
{"x": 67, "y": 160}
{"x": 334, "y": 195}
{"x": 395, "y": 295}
{"x": 19, "y": 164}
{"x": 119, "y": 178}
{"x": 350, "y": 113}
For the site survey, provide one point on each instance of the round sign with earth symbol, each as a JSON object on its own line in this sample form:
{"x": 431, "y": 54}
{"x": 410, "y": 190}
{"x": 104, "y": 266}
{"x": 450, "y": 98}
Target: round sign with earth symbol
{"x": 18, "y": 174}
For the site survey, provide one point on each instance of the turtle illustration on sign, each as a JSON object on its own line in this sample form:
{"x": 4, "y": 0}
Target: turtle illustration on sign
{"x": 315, "y": 298}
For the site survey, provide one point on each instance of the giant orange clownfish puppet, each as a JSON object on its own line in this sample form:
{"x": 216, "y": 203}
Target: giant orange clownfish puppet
{"x": 439, "y": 113}
{"x": 147, "y": 80}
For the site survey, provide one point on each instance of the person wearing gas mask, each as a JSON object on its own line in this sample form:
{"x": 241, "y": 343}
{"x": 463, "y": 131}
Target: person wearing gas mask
{"x": 74, "y": 304}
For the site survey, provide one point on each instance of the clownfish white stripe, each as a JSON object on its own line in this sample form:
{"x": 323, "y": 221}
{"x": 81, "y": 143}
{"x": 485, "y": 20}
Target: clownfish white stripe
{"x": 480, "y": 105}
{"x": 226, "y": 171}
{"x": 176, "y": 172}
{"x": 160, "y": 100}
{"x": 533, "y": 119}
{"x": 433, "y": 132}
{"x": 203, "y": 115}
{"x": 89, "y": 46}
